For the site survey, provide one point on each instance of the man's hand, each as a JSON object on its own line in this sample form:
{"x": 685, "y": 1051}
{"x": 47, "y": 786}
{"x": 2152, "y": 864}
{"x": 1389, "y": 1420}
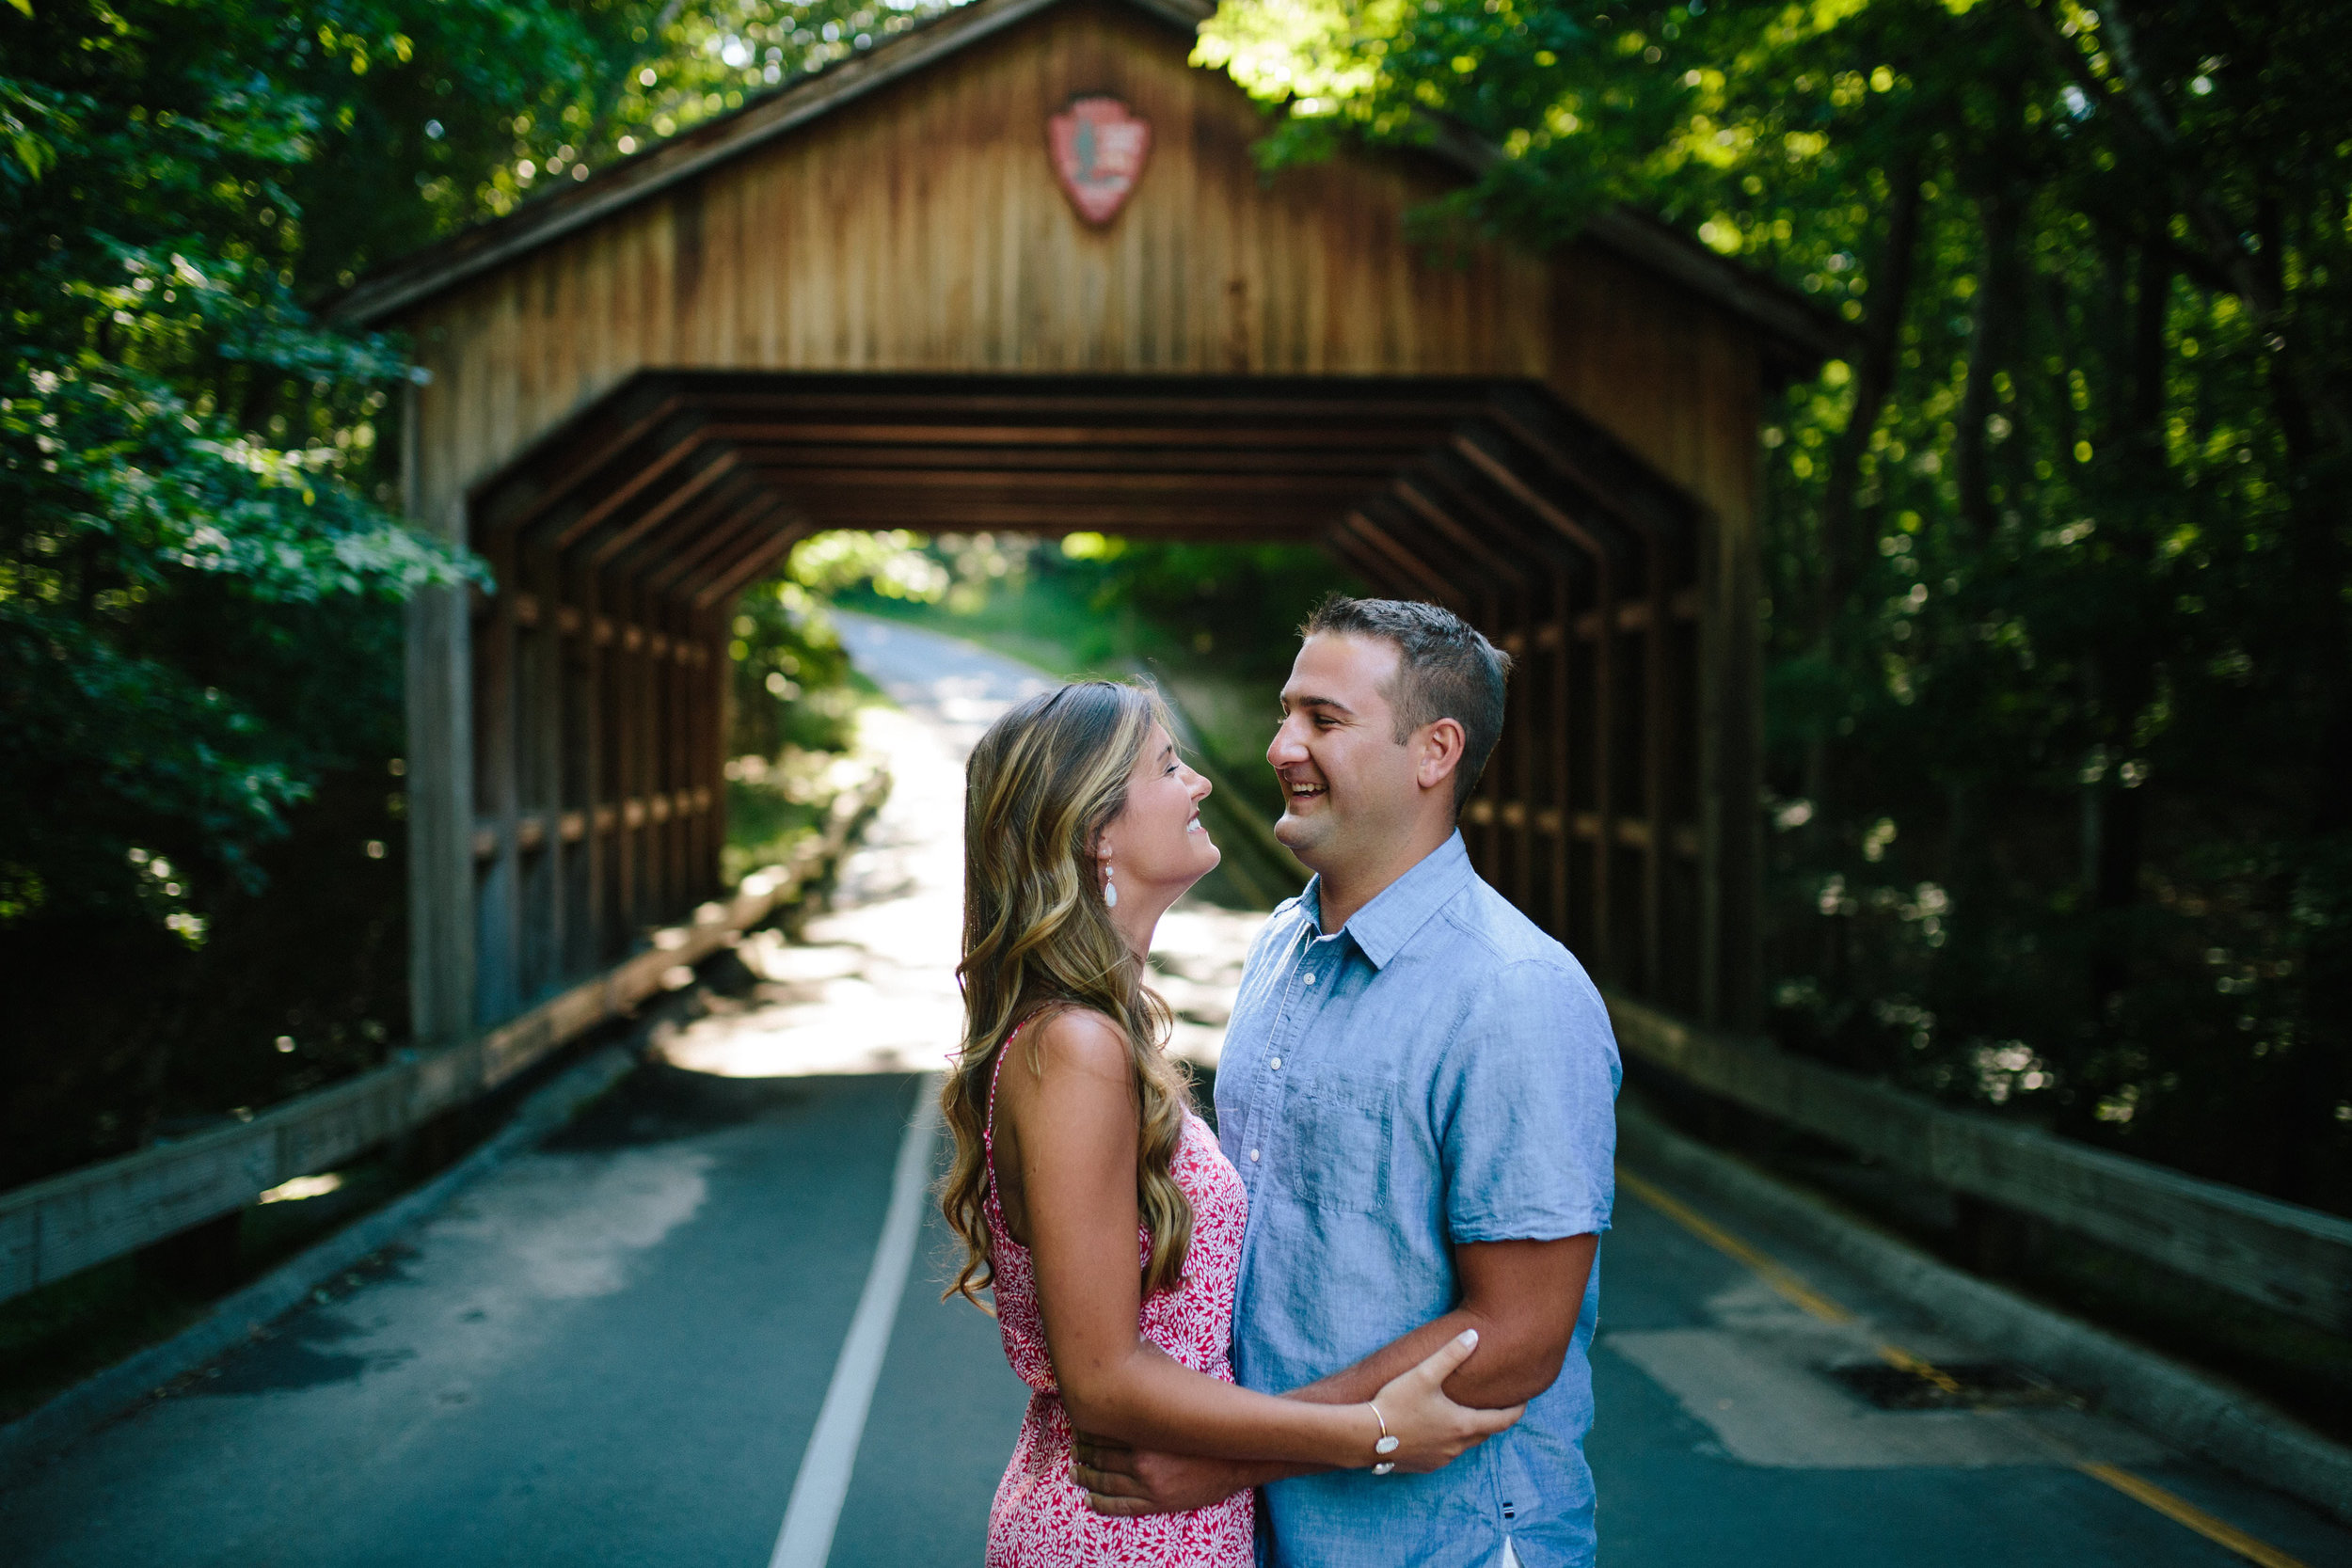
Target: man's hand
{"x": 1126, "y": 1483}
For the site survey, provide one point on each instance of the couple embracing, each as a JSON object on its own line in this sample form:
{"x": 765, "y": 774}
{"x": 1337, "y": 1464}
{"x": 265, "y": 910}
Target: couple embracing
{"x": 1350, "y": 1328}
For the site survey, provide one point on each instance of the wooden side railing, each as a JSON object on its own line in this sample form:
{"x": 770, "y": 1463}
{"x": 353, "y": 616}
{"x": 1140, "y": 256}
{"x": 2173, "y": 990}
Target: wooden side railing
{"x": 68, "y": 1222}
{"x": 2291, "y": 1259}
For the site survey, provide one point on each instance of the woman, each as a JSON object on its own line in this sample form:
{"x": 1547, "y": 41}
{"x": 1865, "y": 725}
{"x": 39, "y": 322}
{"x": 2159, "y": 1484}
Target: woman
{"x": 1092, "y": 1204}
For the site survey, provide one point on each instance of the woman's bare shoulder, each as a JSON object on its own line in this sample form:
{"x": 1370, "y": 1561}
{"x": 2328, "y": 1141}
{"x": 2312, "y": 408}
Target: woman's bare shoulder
{"x": 1070, "y": 1047}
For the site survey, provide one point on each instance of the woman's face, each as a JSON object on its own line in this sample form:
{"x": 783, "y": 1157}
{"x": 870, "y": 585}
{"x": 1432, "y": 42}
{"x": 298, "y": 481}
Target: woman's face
{"x": 1157, "y": 842}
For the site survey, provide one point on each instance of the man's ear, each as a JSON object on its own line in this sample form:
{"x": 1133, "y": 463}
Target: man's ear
{"x": 1441, "y": 745}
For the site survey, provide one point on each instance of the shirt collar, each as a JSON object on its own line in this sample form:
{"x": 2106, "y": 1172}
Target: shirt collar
{"x": 1404, "y": 907}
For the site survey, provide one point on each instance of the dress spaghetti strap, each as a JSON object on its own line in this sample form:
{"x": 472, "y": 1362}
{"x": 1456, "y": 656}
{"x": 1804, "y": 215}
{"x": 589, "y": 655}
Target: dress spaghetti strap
{"x": 996, "y": 1208}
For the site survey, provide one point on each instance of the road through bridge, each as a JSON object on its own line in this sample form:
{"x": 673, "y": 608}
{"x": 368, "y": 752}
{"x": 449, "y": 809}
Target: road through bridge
{"x": 701, "y": 1326}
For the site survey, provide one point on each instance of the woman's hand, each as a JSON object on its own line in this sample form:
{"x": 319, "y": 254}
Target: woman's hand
{"x": 1431, "y": 1429}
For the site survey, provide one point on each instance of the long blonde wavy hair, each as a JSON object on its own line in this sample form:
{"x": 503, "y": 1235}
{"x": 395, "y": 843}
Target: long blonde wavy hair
{"x": 1042, "y": 783}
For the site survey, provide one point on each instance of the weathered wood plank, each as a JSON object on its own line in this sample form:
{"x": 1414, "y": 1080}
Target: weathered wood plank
{"x": 2291, "y": 1259}
{"x": 539, "y": 751}
{"x": 437, "y": 787}
{"x": 584, "y": 783}
{"x": 1658, "y": 719}
{"x": 497, "y": 724}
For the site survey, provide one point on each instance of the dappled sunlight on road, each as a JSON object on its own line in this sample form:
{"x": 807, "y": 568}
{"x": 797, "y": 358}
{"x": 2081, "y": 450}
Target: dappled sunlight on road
{"x": 872, "y": 987}
{"x": 1754, "y": 1375}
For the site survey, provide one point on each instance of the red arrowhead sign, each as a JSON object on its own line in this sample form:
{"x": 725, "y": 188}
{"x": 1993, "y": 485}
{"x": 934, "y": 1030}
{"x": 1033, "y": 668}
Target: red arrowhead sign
{"x": 1099, "y": 146}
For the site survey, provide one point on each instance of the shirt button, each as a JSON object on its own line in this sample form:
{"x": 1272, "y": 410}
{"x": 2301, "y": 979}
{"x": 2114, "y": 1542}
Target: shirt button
{"x": 1253, "y": 1156}
{"x": 1277, "y": 1064}
{"x": 1311, "y": 977}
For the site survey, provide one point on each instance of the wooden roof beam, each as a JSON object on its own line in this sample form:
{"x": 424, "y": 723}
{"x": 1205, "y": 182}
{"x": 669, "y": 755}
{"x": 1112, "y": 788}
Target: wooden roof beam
{"x": 650, "y": 550}
{"x": 1358, "y": 555}
{"x": 679, "y": 448}
{"x": 1197, "y": 402}
{"x": 1412, "y": 566}
{"x": 1467, "y": 492}
{"x": 681, "y": 563}
{"x": 1180, "y": 464}
{"x": 721, "y": 464}
{"x": 729, "y": 577}
{"x": 1481, "y": 453}
{"x": 1598, "y": 466}
{"x": 968, "y": 515}
{"x": 928, "y": 431}
{"x": 1115, "y": 487}
{"x": 566, "y": 458}
{"x": 1416, "y": 498}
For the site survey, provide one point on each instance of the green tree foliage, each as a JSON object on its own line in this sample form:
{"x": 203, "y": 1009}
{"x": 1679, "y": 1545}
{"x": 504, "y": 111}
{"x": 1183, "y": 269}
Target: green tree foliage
{"x": 2059, "y": 710}
{"x": 200, "y": 563}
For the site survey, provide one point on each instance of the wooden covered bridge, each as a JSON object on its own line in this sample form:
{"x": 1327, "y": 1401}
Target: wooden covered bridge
{"x": 1016, "y": 269}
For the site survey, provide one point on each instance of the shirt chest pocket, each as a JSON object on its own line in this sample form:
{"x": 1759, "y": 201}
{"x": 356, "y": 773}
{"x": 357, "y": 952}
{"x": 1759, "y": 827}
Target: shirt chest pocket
{"x": 1339, "y": 1129}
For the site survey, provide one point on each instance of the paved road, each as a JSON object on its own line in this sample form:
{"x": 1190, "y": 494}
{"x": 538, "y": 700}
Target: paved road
{"x": 615, "y": 1351}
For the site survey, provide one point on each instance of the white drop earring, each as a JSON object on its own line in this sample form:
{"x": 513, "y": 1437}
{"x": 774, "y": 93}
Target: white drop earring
{"x": 1110, "y": 889}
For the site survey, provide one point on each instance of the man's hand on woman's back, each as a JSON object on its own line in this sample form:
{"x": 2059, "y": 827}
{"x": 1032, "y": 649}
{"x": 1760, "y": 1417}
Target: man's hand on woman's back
{"x": 1124, "y": 1481}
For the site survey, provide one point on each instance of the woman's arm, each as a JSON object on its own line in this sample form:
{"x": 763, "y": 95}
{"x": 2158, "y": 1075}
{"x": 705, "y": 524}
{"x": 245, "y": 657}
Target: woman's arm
{"x": 1521, "y": 1296}
{"x": 1075, "y": 1126}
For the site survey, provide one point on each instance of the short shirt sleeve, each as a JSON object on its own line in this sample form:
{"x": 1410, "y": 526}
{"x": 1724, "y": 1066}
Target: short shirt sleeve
{"x": 1525, "y": 1108}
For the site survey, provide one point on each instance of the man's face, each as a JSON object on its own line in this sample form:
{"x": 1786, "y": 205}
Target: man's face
{"x": 1349, "y": 787}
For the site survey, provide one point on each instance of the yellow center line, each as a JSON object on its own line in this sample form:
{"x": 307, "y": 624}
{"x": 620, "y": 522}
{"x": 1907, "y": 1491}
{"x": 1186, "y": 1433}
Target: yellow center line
{"x": 1927, "y": 1371}
{"x": 1787, "y": 1283}
{"x": 2189, "y": 1513}
{"x": 1706, "y": 1230}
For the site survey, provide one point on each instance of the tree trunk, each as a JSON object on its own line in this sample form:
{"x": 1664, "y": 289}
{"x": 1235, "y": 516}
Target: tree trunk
{"x": 2126, "y": 661}
{"x": 2320, "y": 642}
{"x": 1991, "y": 337}
{"x": 1844, "y": 553}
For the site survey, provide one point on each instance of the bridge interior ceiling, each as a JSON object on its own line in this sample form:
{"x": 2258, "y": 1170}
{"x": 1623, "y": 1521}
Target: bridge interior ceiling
{"x": 620, "y": 542}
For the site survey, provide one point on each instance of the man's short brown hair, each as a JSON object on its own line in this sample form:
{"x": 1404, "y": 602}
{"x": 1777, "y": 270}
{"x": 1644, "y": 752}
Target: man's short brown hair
{"x": 1444, "y": 669}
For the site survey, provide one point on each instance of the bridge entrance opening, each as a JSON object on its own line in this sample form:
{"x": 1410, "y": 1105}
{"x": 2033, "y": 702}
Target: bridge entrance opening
{"x": 621, "y": 541}
{"x": 869, "y": 300}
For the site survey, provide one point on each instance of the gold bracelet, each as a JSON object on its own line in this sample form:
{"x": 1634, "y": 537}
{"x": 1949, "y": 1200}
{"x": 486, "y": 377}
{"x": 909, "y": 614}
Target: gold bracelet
{"x": 1386, "y": 1446}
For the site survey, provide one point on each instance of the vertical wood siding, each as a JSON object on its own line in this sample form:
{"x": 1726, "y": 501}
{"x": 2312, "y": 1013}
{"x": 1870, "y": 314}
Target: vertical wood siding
{"x": 921, "y": 229}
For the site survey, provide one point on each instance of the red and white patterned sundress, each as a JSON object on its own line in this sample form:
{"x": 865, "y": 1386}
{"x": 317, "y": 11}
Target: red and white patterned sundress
{"x": 1041, "y": 1518}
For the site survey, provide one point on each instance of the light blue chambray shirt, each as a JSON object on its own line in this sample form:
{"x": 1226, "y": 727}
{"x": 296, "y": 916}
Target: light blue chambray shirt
{"x": 1438, "y": 1071}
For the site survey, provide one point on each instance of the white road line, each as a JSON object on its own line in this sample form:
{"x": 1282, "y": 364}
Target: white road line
{"x": 809, "y": 1519}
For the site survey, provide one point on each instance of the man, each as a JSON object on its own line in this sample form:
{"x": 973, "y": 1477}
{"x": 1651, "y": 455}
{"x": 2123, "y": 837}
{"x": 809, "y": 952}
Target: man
{"x": 1418, "y": 1087}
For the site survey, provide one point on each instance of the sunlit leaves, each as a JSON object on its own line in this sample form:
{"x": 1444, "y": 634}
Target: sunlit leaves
{"x": 891, "y": 562}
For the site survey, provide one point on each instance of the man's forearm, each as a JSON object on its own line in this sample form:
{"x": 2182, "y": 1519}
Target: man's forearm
{"x": 1357, "y": 1384}
{"x": 1522, "y": 1299}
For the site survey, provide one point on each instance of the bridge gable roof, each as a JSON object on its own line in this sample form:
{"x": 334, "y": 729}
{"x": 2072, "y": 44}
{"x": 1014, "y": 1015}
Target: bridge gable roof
{"x": 1794, "y": 335}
